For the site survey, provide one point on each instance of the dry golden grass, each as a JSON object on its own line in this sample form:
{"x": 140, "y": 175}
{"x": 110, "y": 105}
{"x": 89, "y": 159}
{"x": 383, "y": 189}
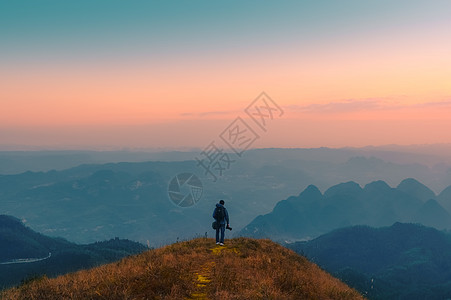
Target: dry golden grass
{"x": 196, "y": 269}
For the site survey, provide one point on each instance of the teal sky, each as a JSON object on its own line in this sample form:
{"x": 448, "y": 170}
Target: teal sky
{"x": 34, "y": 30}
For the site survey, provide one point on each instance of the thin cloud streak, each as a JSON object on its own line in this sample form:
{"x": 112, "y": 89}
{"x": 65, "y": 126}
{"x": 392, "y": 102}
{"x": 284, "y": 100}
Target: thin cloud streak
{"x": 210, "y": 113}
{"x": 364, "y": 105}
{"x": 445, "y": 103}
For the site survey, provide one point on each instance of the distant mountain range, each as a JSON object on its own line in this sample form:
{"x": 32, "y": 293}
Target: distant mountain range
{"x": 25, "y": 254}
{"x": 130, "y": 200}
{"x": 92, "y": 202}
{"x": 97, "y": 202}
{"x": 403, "y": 261}
{"x": 312, "y": 213}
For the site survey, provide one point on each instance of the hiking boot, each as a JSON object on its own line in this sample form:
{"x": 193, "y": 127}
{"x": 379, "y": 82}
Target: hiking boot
{"x": 221, "y": 244}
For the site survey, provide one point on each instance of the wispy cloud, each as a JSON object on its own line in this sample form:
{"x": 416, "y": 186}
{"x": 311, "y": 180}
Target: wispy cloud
{"x": 360, "y": 105}
{"x": 446, "y": 103}
{"x": 209, "y": 113}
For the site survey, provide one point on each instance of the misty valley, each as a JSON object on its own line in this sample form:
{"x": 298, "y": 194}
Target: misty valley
{"x": 379, "y": 223}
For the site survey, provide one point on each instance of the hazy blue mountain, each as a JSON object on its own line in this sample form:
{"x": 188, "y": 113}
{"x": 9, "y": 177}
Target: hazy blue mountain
{"x": 98, "y": 201}
{"x": 18, "y": 241}
{"x": 444, "y": 198}
{"x": 15, "y": 162}
{"x": 92, "y": 202}
{"x": 25, "y": 253}
{"x": 434, "y": 215}
{"x": 325, "y": 166}
{"x": 130, "y": 200}
{"x": 377, "y": 204}
{"x": 416, "y": 189}
{"x": 403, "y": 261}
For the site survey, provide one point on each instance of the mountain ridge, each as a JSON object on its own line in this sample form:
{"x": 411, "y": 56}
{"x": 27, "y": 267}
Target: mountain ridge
{"x": 376, "y": 204}
{"x": 25, "y": 253}
{"x": 402, "y": 261}
{"x": 247, "y": 269}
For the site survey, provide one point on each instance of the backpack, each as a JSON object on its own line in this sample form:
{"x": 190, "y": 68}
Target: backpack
{"x": 219, "y": 213}
{"x": 215, "y": 225}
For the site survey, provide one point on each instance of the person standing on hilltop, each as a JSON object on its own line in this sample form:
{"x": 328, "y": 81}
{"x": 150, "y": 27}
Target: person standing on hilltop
{"x": 221, "y": 216}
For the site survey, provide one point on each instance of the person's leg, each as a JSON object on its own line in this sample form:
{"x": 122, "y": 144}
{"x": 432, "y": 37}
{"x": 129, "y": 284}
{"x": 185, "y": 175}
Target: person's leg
{"x": 222, "y": 233}
{"x": 217, "y": 235}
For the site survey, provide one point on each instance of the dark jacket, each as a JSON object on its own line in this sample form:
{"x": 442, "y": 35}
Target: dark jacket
{"x": 226, "y": 214}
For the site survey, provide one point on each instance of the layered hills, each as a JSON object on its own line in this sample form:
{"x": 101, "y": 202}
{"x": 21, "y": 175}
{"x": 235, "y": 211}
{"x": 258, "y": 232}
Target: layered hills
{"x": 403, "y": 261}
{"x": 313, "y": 213}
{"x": 26, "y": 254}
{"x": 81, "y": 197}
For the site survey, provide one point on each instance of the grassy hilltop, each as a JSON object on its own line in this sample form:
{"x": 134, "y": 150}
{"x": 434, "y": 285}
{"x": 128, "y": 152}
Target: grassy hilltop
{"x": 196, "y": 269}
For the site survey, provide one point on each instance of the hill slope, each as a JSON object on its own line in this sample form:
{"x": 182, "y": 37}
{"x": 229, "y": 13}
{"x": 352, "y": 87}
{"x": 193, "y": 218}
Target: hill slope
{"x": 25, "y": 253}
{"x": 197, "y": 269}
{"x": 403, "y": 261}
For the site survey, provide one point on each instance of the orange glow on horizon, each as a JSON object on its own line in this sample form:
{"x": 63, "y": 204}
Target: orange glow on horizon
{"x": 339, "y": 96}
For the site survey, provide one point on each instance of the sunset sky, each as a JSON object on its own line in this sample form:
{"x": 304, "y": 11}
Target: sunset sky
{"x": 93, "y": 74}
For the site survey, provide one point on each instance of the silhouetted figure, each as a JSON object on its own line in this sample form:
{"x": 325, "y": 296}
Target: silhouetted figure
{"x": 221, "y": 216}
